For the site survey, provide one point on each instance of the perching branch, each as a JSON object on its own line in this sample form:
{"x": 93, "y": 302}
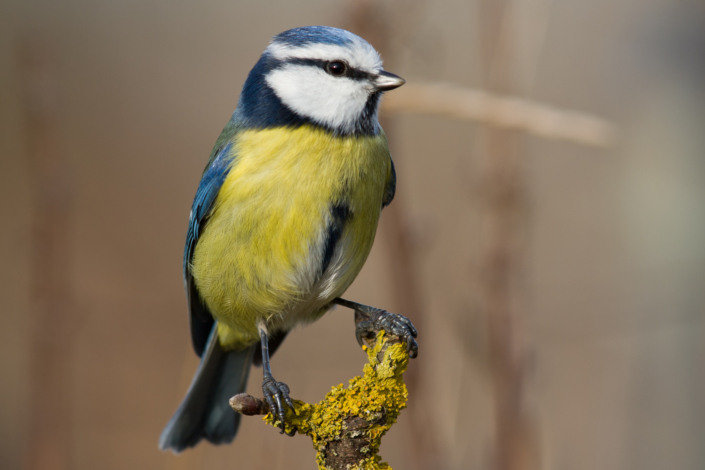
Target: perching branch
{"x": 348, "y": 424}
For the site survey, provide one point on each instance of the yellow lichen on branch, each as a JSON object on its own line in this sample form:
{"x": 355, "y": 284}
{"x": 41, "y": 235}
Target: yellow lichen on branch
{"x": 348, "y": 424}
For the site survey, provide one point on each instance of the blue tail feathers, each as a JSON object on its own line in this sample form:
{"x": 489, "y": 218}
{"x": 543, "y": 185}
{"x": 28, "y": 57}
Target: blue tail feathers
{"x": 205, "y": 412}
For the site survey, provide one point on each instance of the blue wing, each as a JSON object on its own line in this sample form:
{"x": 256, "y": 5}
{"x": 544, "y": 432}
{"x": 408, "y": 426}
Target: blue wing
{"x": 211, "y": 182}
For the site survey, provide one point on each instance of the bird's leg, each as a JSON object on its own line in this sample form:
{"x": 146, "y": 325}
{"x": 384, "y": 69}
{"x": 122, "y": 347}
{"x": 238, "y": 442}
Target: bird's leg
{"x": 275, "y": 393}
{"x": 369, "y": 320}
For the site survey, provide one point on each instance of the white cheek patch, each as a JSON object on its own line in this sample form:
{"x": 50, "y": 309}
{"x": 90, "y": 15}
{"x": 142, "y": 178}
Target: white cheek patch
{"x": 309, "y": 91}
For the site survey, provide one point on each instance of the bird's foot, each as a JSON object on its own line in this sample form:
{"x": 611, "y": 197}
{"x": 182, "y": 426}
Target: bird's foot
{"x": 370, "y": 320}
{"x": 277, "y": 394}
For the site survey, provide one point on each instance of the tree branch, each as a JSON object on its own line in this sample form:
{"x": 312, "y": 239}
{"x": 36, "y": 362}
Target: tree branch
{"x": 348, "y": 424}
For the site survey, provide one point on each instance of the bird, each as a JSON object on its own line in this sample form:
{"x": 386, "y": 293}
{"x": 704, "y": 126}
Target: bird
{"x": 283, "y": 220}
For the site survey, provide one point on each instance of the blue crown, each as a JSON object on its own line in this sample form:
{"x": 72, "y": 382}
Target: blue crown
{"x": 297, "y": 37}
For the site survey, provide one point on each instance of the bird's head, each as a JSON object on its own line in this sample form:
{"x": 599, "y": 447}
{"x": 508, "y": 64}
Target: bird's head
{"x": 317, "y": 75}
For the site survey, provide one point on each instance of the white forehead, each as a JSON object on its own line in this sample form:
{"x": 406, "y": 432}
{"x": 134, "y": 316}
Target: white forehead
{"x": 358, "y": 53}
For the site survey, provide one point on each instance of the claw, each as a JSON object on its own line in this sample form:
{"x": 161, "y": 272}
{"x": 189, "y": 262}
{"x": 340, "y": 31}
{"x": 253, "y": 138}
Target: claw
{"x": 280, "y": 409}
{"x": 373, "y": 320}
{"x": 270, "y": 402}
{"x": 414, "y": 349}
{"x": 358, "y": 336}
{"x": 276, "y": 394}
{"x": 362, "y": 329}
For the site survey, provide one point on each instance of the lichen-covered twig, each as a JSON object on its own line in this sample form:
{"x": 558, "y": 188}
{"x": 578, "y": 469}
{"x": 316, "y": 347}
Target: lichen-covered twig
{"x": 348, "y": 424}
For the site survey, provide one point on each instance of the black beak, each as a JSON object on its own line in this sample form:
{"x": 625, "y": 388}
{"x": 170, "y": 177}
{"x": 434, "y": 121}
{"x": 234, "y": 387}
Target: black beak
{"x": 386, "y": 81}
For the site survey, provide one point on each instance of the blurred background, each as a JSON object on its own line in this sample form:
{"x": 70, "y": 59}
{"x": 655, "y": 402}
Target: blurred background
{"x": 547, "y": 237}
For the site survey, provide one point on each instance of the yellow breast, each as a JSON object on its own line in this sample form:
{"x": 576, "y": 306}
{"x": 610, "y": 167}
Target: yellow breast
{"x": 259, "y": 255}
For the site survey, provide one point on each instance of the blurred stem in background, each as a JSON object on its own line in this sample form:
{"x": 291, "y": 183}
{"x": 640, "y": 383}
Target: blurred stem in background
{"x": 503, "y": 212}
{"x": 53, "y": 321}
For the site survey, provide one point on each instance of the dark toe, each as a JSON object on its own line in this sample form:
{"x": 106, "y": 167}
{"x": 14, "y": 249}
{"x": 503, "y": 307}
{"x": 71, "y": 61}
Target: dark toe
{"x": 277, "y": 394}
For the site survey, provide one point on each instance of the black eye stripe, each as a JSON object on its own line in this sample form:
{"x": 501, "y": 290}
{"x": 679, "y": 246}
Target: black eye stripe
{"x": 350, "y": 72}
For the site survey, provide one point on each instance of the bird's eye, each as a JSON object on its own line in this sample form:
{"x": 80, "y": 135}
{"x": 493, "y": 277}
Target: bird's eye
{"x": 336, "y": 67}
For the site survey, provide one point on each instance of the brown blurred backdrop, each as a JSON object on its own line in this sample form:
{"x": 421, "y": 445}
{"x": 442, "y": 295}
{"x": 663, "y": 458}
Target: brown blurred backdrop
{"x": 557, "y": 284}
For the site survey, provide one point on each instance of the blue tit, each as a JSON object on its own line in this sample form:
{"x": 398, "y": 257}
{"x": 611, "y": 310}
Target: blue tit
{"x": 283, "y": 219}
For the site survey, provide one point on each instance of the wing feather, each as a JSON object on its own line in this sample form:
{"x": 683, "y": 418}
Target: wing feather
{"x": 211, "y": 182}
